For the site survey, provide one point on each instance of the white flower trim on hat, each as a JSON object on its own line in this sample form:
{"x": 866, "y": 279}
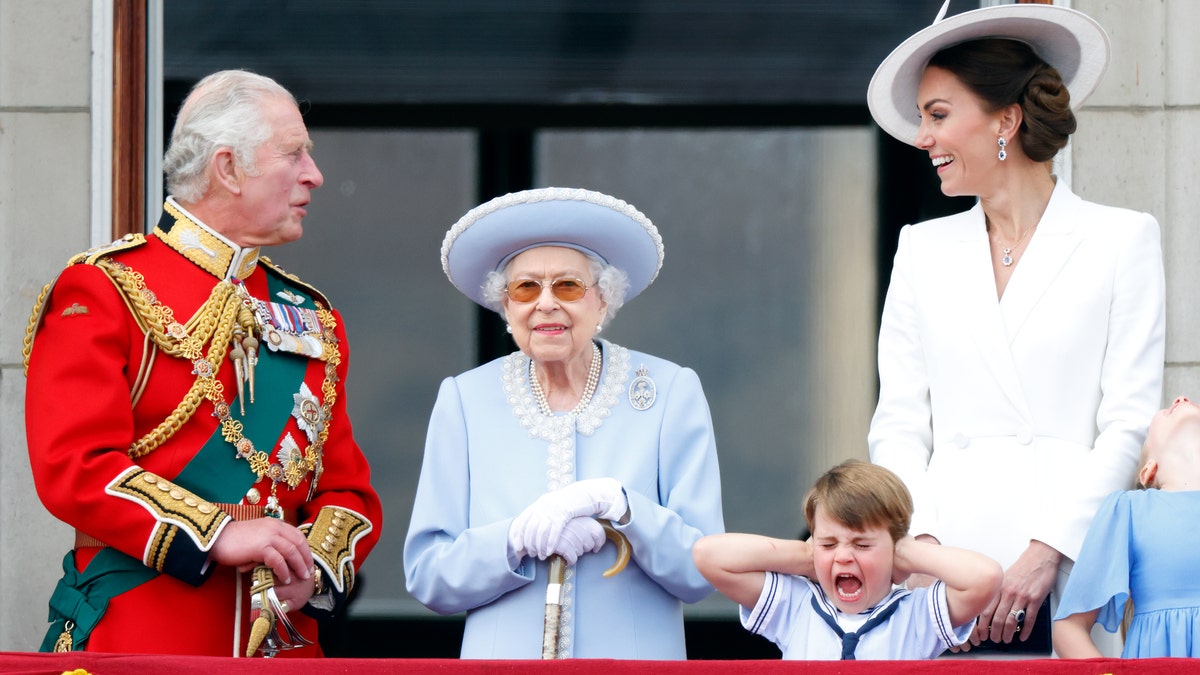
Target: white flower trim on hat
{"x": 550, "y": 194}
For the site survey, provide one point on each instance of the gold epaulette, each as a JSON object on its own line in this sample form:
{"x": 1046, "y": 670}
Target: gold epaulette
{"x": 269, "y": 265}
{"x": 90, "y": 256}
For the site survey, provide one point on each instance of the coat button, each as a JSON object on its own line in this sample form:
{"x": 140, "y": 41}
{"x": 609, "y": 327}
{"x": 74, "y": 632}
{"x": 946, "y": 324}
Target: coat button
{"x": 961, "y": 440}
{"x": 1024, "y": 437}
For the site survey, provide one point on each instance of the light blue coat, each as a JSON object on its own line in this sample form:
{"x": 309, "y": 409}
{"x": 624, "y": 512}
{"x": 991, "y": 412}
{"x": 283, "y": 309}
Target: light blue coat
{"x": 489, "y": 453}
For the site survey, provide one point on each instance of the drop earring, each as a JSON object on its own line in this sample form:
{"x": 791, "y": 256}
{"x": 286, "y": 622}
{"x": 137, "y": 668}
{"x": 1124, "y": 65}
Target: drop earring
{"x": 1003, "y": 154}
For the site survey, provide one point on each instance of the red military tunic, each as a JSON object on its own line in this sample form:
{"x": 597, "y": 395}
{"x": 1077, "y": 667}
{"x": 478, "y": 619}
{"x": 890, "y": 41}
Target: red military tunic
{"x": 99, "y": 386}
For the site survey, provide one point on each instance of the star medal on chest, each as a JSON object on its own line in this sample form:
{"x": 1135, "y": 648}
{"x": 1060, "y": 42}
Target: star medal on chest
{"x": 308, "y": 413}
{"x": 312, "y": 418}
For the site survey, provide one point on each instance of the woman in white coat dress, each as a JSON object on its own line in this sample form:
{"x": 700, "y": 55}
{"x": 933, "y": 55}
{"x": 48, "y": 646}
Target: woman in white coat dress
{"x": 525, "y": 453}
{"x": 1021, "y": 344}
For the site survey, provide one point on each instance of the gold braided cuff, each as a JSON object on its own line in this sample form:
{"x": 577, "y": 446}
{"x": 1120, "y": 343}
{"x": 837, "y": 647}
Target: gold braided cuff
{"x": 332, "y": 537}
{"x": 175, "y": 508}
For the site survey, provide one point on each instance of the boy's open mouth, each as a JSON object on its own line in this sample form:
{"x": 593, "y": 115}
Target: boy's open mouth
{"x": 849, "y": 587}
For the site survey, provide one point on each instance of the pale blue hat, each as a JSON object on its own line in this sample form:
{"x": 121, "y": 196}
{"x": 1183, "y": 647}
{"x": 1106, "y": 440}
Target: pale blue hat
{"x": 491, "y": 234}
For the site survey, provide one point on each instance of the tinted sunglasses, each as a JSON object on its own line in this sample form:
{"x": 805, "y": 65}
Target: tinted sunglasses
{"x": 528, "y": 290}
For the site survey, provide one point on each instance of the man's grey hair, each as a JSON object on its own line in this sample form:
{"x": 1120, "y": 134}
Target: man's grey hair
{"x": 611, "y": 282}
{"x": 223, "y": 110}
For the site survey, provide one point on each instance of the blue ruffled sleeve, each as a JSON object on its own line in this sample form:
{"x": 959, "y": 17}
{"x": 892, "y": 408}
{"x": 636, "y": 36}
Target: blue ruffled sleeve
{"x": 1100, "y": 578}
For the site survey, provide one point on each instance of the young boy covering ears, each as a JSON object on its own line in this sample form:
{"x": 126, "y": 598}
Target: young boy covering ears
{"x": 832, "y": 597}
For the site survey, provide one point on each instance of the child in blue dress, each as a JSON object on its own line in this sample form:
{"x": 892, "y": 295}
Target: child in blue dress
{"x": 833, "y": 596}
{"x": 1142, "y": 545}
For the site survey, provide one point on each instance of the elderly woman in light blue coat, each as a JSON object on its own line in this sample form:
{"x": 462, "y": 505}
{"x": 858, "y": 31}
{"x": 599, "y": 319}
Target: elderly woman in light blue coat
{"x": 526, "y": 454}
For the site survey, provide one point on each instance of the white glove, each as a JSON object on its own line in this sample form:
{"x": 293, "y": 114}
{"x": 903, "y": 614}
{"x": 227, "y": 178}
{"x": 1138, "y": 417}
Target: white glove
{"x": 580, "y": 535}
{"x": 536, "y": 530}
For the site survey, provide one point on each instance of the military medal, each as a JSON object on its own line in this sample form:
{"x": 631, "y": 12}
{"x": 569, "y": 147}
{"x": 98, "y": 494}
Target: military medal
{"x": 292, "y": 460}
{"x": 291, "y": 329}
{"x": 65, "y": 641}
{"x": 308, "y": 413}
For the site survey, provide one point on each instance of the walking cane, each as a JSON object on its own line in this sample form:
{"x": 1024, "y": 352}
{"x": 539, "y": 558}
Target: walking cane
{"x": 558, "y": 570}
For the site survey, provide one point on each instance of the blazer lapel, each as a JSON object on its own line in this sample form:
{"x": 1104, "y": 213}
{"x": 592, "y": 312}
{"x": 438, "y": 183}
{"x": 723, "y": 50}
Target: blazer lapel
{"x": 973, "y": 295}
{"x": 1048, "y": 250}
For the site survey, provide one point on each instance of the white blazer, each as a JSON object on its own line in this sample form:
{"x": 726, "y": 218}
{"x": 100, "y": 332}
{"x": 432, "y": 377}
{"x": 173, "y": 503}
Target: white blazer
{"x": 1010, "y": 420}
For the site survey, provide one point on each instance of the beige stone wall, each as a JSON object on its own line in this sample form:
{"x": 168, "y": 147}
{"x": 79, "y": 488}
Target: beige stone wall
{"x": 1138, "y": 145}
{"x": 45, "y": 168}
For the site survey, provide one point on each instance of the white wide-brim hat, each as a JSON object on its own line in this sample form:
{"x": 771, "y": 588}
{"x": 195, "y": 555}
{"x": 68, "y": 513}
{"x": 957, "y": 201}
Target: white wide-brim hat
{"x": 491, "y": 234}
{"x": 1071, "y": 41}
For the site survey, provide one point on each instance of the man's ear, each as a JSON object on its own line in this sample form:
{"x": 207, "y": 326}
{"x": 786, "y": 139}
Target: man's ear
{"x": 1148, "y": 473}
{"x": 225, "y": 170}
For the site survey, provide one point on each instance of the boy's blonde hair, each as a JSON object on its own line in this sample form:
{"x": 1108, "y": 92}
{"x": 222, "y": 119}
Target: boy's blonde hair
{"x": 859, "y": 495}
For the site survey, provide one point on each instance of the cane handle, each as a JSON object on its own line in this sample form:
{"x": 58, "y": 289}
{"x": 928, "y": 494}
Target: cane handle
{"x": 622, "y": 544}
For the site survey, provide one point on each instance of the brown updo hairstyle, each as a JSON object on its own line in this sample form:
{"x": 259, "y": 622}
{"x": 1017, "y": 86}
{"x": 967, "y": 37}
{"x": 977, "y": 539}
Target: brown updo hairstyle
{"x": 1002, "y": 72}
{"x": 859, "y": 495}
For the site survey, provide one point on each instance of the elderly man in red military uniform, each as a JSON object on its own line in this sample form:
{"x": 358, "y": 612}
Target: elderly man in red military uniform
{"x": 186, "y": 407}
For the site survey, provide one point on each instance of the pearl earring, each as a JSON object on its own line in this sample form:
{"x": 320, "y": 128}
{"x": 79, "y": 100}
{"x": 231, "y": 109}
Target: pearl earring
{"x": 508, "y": 327}
{"x": 1003, "y": 154}
{"x": 599, "y": 328}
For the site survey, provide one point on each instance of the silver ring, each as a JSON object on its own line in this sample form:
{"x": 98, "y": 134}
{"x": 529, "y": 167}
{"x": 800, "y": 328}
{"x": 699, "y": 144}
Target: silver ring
{"x": 1018, "y": 614}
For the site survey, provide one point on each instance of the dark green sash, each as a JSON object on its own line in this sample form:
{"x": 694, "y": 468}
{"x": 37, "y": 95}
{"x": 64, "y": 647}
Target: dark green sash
{"x": 82, "y": 597}
{"x": 215, "y": 473}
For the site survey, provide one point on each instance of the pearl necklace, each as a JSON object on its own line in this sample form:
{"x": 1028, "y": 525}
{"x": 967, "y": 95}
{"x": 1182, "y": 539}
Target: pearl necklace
{"x": 589, "y": 389}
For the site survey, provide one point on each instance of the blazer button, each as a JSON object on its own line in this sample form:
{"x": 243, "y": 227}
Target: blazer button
{"x": 961, "y": 440}
{"x": 1024, "y": 437}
